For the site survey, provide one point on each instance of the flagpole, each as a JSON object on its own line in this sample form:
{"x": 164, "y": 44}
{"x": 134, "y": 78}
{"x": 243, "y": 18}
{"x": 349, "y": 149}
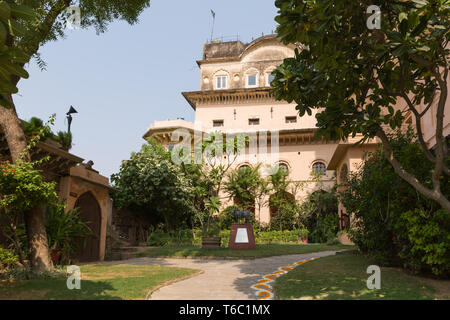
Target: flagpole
{"x": 214, "y": 20}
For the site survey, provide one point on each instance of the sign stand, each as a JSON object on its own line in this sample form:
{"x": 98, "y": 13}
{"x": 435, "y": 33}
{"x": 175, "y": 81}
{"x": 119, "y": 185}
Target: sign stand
{"x": 242, "y": 237}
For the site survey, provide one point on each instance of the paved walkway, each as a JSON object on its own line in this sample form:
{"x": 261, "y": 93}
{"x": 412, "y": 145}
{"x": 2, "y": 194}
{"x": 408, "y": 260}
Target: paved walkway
{"x": 221, "y": 279}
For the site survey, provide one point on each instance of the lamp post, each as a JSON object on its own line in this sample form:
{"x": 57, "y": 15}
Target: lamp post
{"x": 69, "y": 116}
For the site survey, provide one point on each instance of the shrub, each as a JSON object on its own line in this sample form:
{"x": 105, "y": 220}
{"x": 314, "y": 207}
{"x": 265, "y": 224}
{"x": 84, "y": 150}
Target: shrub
{"x": 424, "y": 240}
{"x": 158, "y": 237}
{"x": 287, "y": 216}
{"x": 225, "y": 237}
{"x": 193, "y": 237}
{"x": 325, "y": 229}
{"x": 390, "y": 221}
{"x": 320, "y": 215}
{"x": 285, "y": 236}
{"x": 213, "y": 228}
{"x": 152, "y": 186}
{"x": 7, "y": 259}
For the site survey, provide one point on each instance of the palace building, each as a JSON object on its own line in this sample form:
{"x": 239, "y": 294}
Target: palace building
{"x": 235, "y": 96}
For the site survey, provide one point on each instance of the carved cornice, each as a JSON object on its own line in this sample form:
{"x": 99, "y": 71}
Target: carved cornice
{"x": 286, "y": 137}
{"x": 229, "y": 97}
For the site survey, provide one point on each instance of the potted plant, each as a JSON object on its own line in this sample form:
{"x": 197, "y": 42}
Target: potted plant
{"x": 211, "y": 230}
{"x": 65, "y": 139}
{"x": 56, "y": 255}
{"x": 63, "y": 231}
{"x": 211, "y": 236}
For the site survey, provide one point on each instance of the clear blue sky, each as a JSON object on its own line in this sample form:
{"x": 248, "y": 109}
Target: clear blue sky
{"x": 123, "y": 80}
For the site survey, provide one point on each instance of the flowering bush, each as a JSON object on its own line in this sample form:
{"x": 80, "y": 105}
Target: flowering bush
{"x": 22, "y": 187}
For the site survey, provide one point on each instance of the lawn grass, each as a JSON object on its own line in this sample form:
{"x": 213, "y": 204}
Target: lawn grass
{"x": 98, "y": 282}
{"x": 344, "y": 276}
{"x": 262, "y": 250}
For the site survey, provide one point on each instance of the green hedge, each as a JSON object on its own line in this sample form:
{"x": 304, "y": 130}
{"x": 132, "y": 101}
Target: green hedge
{"x": 194, "y": 237}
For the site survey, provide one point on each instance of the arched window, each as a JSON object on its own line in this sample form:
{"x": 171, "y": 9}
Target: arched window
{"x": 221, "y": 78}
{"x": 221, "y": 82}
{"x": 319, "y": 168}
{"x": 251, "y": 78}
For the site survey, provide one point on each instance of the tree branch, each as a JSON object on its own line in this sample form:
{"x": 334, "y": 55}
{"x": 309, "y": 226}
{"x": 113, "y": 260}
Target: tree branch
{"x": 434, "y": 194}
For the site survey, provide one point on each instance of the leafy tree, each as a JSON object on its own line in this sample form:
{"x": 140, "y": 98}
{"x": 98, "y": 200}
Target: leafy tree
{"x": 207, "y": 179}
{"x": 150, "y": 184}
{"x": 242, "y": 186}
{"x": 248, "y": 188}
{"x": 12, "y": 58}
{"x": 354, "y": 75}
{"x": 261, "y": 192}
{"x": 28, "y": 27}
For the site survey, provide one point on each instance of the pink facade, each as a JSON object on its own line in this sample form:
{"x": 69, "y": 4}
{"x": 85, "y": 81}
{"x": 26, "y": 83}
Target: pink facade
{"x": 235, "y": 96}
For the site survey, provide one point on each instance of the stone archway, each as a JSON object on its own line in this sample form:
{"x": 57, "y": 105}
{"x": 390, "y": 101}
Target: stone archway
{"x": 90, "y": 213}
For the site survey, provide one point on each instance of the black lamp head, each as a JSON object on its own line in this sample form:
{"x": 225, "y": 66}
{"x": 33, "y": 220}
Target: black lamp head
{"x": 72, "y": 110}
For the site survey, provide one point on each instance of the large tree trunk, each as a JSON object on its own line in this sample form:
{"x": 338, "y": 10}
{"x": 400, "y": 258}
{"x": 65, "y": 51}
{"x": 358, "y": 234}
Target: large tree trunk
{"x": 37, "y": 239}
{"x": 12, "y": 128}
{"x": 35, "y": 219}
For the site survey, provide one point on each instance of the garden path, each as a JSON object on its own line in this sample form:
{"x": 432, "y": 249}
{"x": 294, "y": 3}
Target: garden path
{"x": 221, "y": 279}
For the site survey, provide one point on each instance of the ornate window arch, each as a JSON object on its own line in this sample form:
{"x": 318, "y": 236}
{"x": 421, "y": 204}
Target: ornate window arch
{"x": 221, "y": 79}
{"x": 251, "y": 78}
{"x": 319, "y": 167}
{"x": 284, "y": 165}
